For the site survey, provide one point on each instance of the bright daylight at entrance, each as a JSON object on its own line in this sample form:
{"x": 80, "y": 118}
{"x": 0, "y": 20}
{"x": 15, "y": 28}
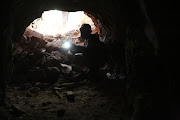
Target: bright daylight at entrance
{"x": 56, "y": 22}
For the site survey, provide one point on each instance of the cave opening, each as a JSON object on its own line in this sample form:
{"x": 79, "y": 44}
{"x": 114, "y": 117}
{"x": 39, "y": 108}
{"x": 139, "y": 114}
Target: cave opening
{"x": 45, "y": 70}
{"x": 44, "y": 83}
{"x": 59, "y": 26}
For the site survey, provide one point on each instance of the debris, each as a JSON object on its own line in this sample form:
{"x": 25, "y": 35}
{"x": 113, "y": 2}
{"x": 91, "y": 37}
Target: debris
{"x": 42, "y": 44}
{"x": 34, "y": 90}
{"x": 33, "y": 43}
{"x": 48, "y": 38}
{"x": 66, "y": 69}
{"x": 60, "y": 113}
{"x": 30, "y": 33}
{"x": 57, "y": 88}
{"x": 61, "y": 79}
{"x": 75, "y": 33}
{"x": 115, "y": 76}
{"x": 58, "y": 93}
{"x": 52, "y": 69}
{"x": 52, "y": 61}
{"x": 27, "y": 86}
{"x": 17, "y": 51}
{"x": 57, "y": 55}
{"x": 70, "y": 96}
{"x": 38, "y": 84}
{"x": 57, "y": 84}
{"x": 67, "y": 84}
{"x": 108, "y": 75}
{"x": 52, "y": 46}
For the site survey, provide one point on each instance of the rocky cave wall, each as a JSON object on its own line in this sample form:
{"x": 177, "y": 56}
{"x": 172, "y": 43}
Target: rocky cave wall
{"x": 125, "y": 27}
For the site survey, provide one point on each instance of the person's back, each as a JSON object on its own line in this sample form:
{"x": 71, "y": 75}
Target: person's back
{"x": 93, "y": 50}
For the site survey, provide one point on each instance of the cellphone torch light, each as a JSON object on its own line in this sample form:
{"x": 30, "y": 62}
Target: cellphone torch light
{"x": 66, "y": 45}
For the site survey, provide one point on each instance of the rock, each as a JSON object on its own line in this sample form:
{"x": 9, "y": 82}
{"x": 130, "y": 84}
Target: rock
{"x": 70, "y": 96}
{"x": 57, "y": 84}
{"x": 52, "y": 61}
{"x": 27, "y": 86}
{"x": 66, "y": 69}
{"x": 57, "y": 88}
{"x": 43, "y": 50}
{"x": 60, "y": 113}
{"x": 48, "y": 38}
{"x": 33, "y": 43}
{"x": 23, "y": 40}
{"x": 57, "y": 55}
{"x": 52, "y": 46}
{"x": 67, "y": 84}
{"x": 38, "y": 84}
{"x": 52, "y": 69}
{"x": 42, "y": 44}
{"x": 75, "y": 33}
{"x": 17, "y": 51}
{"x": 108, "y": 75}
{"x": 34, "y": 90}
{"x": 30, "y": 33}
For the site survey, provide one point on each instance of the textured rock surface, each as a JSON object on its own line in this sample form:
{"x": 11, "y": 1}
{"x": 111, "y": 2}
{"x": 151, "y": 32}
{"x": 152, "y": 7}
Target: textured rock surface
{"x": 126, "y": 27}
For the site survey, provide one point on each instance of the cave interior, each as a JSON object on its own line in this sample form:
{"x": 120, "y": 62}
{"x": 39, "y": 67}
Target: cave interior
{"x": 40, "y": 80}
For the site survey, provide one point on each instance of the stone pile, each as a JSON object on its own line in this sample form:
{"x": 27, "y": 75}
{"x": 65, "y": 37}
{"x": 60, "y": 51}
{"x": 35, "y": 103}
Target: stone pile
{"x": 40, "y": 58}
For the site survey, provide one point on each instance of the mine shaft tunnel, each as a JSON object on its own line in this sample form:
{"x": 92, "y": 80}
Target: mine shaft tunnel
{"x": 126, "y": 28}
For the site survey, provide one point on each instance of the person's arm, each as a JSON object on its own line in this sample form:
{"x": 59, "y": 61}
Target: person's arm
{"x": 77, "y": 48}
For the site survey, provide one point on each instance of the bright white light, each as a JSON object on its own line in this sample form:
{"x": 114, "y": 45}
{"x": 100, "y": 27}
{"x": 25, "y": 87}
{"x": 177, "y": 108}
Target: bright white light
{"x": 55, "y": 22}
{"x": 66, "y": 45}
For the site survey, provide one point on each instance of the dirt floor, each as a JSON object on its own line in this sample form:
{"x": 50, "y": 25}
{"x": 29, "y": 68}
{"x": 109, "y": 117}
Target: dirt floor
{"x": 88, "y": 101}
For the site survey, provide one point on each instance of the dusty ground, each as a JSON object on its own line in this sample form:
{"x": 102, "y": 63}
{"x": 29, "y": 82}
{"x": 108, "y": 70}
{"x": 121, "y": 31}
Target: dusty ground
{"x": 92, "y": 101}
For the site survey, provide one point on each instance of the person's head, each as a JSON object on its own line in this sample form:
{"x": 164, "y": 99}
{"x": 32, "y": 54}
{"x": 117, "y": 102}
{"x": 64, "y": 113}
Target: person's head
{"x": 85, "y": 30}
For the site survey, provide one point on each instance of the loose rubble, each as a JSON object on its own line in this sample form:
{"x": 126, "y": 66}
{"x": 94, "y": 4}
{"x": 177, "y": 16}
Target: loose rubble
{"x": 47, "y": 83}
{"x": 40, "y": 58}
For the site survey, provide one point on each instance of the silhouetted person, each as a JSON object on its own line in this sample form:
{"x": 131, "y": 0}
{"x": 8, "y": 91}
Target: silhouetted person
{"x": 93, "y": 50}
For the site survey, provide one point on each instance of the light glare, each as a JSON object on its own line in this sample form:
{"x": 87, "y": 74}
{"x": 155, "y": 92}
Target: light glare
{"x": 66, "y": 45}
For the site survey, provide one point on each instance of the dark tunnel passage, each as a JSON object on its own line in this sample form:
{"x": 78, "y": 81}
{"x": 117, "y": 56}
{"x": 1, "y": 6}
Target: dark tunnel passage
{"x": 43, "y": 82}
